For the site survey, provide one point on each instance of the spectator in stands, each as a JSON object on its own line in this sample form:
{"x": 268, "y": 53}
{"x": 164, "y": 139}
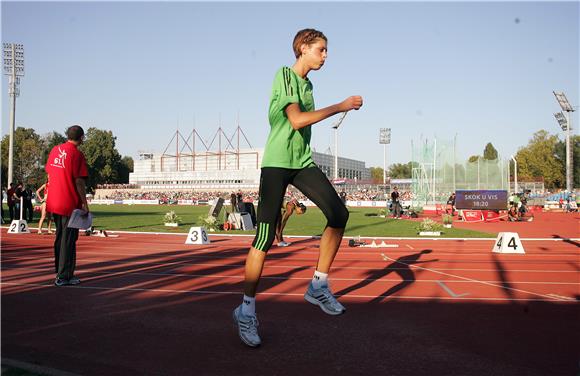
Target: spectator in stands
{"x": 396, "y": 203}
{"x": 288, "y": 208}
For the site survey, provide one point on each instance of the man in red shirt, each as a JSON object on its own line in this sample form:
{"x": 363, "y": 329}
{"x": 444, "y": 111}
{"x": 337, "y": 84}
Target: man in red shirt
{"x": 67, "y": 171}
{"x": 11, "y": 200}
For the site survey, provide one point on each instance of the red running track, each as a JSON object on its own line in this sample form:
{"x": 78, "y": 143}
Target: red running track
{"x": 151, "y": 305}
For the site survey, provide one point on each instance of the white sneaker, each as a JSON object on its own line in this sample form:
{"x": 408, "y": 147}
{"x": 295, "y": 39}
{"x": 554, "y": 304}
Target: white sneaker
{"x": 284, "y": 244}
{"x": 323, "y": 298}
{"x": 247, "y": 328}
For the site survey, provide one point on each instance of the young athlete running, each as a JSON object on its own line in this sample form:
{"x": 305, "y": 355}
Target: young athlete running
{"x": 288, "y": 160}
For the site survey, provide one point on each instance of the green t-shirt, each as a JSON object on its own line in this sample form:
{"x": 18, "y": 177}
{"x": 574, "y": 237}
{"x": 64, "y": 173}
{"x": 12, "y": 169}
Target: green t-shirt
{"x": 286, "y": 147}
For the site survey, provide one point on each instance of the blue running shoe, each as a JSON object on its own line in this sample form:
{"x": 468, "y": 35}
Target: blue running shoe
{"x": 323, "y": 298}
{"x": 247, "y": 328}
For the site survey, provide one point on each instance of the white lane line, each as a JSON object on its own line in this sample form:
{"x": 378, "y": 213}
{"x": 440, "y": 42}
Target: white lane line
{"x": 218, "y": 253}
{"x": 218, "y": 247}
{"x": 562, "y": 297}
{"x": 449, "y": 291}
{"x": 387, "y": 258}
{"x": 310, "y": 237}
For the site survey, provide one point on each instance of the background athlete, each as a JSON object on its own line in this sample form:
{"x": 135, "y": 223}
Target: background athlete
{"x": 289, "y": 207}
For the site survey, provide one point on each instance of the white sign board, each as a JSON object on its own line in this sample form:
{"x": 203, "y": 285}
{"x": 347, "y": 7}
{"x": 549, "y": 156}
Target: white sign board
{"x": 508, "y": 242}
{"x": 197, "y": 235}
{"x": 18, "y": 227}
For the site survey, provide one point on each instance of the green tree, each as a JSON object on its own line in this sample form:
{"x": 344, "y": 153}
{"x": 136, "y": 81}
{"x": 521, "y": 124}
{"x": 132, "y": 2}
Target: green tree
{"x": 539, "y": 159}
{"x": 51, "y": 140}
{"x": 103, "y": 159}
{"x": 473, "y": 158}
{"x": 489, "y": 153}
{"x": 125, "y": 168}
{"x": 402, "y": 170}
{"x": 377, "y": 174}
{"x": 27, "y": 157}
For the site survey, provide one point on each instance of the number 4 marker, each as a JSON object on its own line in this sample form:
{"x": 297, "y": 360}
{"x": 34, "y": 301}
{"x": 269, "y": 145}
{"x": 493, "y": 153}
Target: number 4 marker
{"x": 508, "y": 242}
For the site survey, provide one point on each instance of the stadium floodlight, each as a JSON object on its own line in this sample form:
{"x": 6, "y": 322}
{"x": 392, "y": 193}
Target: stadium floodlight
{"x": 335, "y": 127}
{"x": 385, "y": 139}
{"x": 567, "y": 108}
{"x": 563, "y": 101}
{"x": 515, "y": 174}
{"x": 561, "y": 120}
{"x": 13, "y": 56}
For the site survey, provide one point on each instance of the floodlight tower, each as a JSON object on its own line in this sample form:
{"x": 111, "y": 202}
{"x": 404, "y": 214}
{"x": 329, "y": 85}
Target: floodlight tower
{"x": 515, "y": 175}
{"x": 14, "y": 69}
{"x": 385, "y": 139}
{"x": 566, "y": 125}
{"x": 335, "y": 175}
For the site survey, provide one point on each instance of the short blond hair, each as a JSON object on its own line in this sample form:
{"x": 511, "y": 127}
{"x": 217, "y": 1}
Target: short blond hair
{"x": 306, "y": 36}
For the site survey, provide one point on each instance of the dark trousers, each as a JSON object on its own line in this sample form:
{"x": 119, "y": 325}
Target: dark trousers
{"x": 397, "y": 209}
{"x": 65, "y": 247}
{"x": 11, "y": 210}
{"x": 28, "y": 211}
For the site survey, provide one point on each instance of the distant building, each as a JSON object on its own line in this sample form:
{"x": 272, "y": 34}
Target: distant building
{"x": 225, "y": 170}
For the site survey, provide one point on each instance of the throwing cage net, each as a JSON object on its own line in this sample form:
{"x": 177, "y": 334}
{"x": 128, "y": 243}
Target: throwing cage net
{"x": 437, "y": 172}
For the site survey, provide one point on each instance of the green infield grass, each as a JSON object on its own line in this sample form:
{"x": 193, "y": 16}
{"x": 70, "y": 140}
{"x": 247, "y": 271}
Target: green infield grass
{"x": 363, "y": 221}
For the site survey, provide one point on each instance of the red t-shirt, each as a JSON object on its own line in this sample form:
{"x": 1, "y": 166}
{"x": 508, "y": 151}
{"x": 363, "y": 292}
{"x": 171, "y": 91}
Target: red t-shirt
{"x": 9, "y": 196}
{"x": 65, "y": 163}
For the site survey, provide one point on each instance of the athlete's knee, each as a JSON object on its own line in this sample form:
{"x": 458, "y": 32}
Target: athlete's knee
{"x": 339, "y": 217}
{"x": 264, "y": 236}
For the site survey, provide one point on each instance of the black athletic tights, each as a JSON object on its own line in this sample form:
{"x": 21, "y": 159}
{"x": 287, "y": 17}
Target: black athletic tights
{"x": 310, "y": 181}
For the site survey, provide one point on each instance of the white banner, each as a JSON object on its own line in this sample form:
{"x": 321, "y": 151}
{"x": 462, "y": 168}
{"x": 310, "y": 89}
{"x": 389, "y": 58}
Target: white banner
{"x": 102, "y": 202}
{"x": 140, "y": 202}
{"x": 124, "y": 202}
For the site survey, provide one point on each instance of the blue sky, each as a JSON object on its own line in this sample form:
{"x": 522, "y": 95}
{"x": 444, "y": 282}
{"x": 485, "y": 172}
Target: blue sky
{"x": 482, "y": 70}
